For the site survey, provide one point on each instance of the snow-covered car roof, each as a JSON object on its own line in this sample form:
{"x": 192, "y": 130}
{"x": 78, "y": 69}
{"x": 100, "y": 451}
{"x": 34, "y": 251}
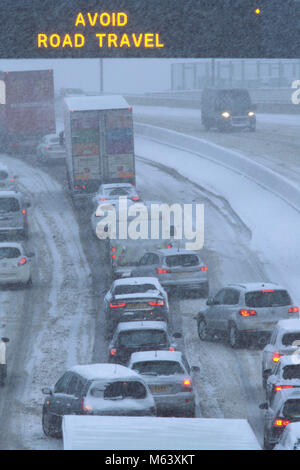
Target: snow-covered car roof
{"x": 94, "y": 103}
{"x": 134, "y": 281}
{"x": 156, "y": 356}
{"x": 256, "y": 286}
{"x": 103, "y": 371}
{"x": 12, "y": 244}
{"x": 117, "y": 185}
{"x": 142, "y": 325}
{"x": 294, "y": 430}
{"x": 288, "y": 360}
{"x": 10, "y": 193}
{"x": 289, "y": 325}
{"x": 140, "y": 295}
{"x": 175, "y": 251}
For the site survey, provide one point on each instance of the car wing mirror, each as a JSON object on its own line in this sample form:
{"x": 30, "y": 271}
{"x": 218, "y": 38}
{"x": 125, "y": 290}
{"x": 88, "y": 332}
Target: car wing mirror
{"x": 5, "y": 340}
{"x": 210, "y": 301}
{"x": 195, "y": 369}
{"x": 27, "y": 204}
{"x": 263, "y": 406}
{"x": 47, "y": 391}
{"x": 177, "y": 335}
{"x": 30, "y": 254}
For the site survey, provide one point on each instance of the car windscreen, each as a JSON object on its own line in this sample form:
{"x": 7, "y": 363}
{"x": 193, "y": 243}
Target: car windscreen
{"x": 3, "y": 175}
{"x": 291, "y": 409}
{"x": 233, "y": 100}
{"x": 158, "y": 367}
{"x": 119, "y": 192}
{"x": 267, "y": 298}
{"x": 125, "y": 389}
{"x": 140, "y": 338}
{"x": 9, "y": 252}
{"x": 9, "y": 204}
{"x": 289, "y": 338}
{"x": 291, "y": 372}
{"x": 182, "y": 260}
{"x": 133, "y": 289}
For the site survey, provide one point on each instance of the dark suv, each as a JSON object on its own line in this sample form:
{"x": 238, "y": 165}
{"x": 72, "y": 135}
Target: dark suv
{"x": 96, "y": 389}
{"x": 227, "y": 109}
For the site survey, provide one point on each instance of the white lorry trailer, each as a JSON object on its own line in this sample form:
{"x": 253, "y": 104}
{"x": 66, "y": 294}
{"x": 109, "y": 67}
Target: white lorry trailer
{"x": 99, "y": 142}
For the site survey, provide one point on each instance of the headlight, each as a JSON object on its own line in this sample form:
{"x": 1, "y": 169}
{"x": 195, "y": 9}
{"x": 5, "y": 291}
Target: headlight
{"x": 251, "y": 113}
{"x": 226, "y": 114}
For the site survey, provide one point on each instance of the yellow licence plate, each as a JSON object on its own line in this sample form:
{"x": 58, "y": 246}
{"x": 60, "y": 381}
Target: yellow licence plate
{"x": 158, "y": 388}
{"x": 136, "y": 306}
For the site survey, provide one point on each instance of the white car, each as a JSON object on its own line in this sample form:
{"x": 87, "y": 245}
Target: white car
{"x": 114, "y": 191}
{"x": 290, "y": 438}
{"x": 15, "y": 265}
{"x": 168, "y": 376}
{"x": 7, "y": 180}
{"x": 50, "y": 149}
{"x": 284, "y": 338}
{"x": 285, "y": 376}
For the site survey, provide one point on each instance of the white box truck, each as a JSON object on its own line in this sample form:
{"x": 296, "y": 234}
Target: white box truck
{"x": 99, "y": 142}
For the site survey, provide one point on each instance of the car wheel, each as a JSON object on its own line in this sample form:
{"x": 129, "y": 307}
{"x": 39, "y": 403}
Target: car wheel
{"x": 234, "y": 336}
{"x": 29, "y": 282}
{"x": 202, "y": 330}
{"x": 265, "y": 379}
{"x": 204, "y": 289}
{"x": 49, "y": 427}
{"x": 267, "y": 445}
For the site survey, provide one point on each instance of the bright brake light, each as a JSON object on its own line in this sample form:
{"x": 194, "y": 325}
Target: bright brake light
{"x": 187, "y": 383}
{"x": 276, "y": 356}
{"x": 280, "y": 422}
{"x": 117, "y": 304}
{"x": 293, "y": 310}
{"x": 86, "y": 408}
{"x": 247, "y": 313}
{"x": 162, "y": 271}
{"x": 23, "y": 211}
{"x": 113, "y": 352}
{"x": 171, "y": 348}
{"x": 277, "y": 388}
{"x": 135, "y": 198}
{"x": 169, "y": 246}
{"x": 102, "y": 199}
{"x": 203, "y": 268}
{"x": 22, "y": 261}
{"x": 156, "y": 302}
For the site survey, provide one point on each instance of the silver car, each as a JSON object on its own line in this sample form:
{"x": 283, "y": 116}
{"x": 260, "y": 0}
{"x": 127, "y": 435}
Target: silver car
{"x": 240, "y": 311}
{"x": 175, "y": 268}
{"x": 15, "y": 264}
{"x": 109, "y": 192}
{"x": 7, "y": 180}
{"x": 50, "y": 149}
{"x": 168, "y": 375}
{"x": 284, "y": 409}
{"x": 285, "y": 340}
{"x": 285, "y": 376}
{"x": 13, "y": 215}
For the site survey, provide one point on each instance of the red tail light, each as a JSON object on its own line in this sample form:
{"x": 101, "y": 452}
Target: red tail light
{"x": 162, "y": 271}
{"x": 113, "y": 256}
{"x": 113, "y": 248}
{"x": 47, "y": 147}
{"x": 276, "y": 356}
{"x": 85, "y": 408}
{"x": 268, "y": 290}
{"x": 187, "y": 385}
{"x": 203, "y": 268}
{"x": 113, "y": 352}
{"x": 135, "y": 198}
{"x": 117, "y": 304}
{"x": 170, "y": 246}
{"x": 281, "y": 422}
{"x": 277, "y": 388}
{"x": 23, "y": 211}
{"x": 76, "y": 186}
{"x": 171, "y": 348}
{"x": 83, "y": 186}
{"x": 247, "y": 313}
{"x": 156, "y": 302}
{"x": 11, "y": 179}
{"x": 293, "y": 309}
{"x": 102, "y": 199}
{"x": 22, "y": 261}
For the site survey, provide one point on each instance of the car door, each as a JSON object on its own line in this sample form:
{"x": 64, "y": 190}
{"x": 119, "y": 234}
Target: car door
{"x": 146, "y": 266}
{"x": 73, "y": 402}
{"x": 267, "y": 360}
{"x": 229, "y": 306}
{"x": 59, "y": 396}
{"x": 214, "y": 310}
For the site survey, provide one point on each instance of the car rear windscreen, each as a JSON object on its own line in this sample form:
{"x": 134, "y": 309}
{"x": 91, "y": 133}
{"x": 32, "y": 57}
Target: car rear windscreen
{"x": 182, "y": 260}
{"x": 289, "y": 338}
{"x": 125, "y": 389}
{"x": 134, "y": 289}
{"x": 291, "y": 372}
{"x": 9, "y": 204}
{"x": 158, "y": 368}
{"x": 9, "y": 252}
{"x": 267, "y": 298}
{"x": 3, "y": 175}
{"x": 139, "y": 338}
{"x": 291, "y": 409}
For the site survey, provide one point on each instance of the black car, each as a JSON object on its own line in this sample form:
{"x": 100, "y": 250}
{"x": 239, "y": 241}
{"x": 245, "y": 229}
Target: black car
{"x": 136, "y": 300}
{"x": 131, "y": 337}
{"x": 228, "y": 108}
{"x": 96, "y": 389}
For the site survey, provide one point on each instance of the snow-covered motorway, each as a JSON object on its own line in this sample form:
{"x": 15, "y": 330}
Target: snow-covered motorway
{"x": 58, "y": 322}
